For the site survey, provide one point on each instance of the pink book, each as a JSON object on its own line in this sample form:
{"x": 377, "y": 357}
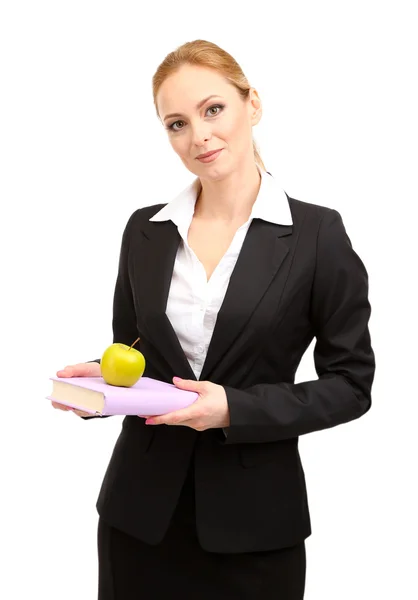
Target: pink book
{"x": 93, "y": 395}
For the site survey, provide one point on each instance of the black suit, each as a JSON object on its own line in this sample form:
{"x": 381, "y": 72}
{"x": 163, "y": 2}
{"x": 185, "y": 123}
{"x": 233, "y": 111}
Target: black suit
{"x": 290, "y": 284}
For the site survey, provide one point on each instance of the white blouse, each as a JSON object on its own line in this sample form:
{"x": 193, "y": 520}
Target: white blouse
{"x": 193, "y": 302}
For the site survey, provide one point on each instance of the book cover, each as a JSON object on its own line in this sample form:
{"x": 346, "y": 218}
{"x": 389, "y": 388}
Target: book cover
{"x": 93, "y": 395}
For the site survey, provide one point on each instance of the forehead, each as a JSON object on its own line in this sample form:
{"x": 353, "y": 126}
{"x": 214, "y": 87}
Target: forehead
{"x": 190, "y": 84}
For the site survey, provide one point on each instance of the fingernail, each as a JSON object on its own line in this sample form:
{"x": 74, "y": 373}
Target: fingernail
{"x": 176, "y": 378}
{"x": 149, "y": 422}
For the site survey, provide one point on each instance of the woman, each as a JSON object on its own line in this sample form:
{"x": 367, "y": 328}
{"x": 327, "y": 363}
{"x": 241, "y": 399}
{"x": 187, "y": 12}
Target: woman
{"x": 226, "y": 285}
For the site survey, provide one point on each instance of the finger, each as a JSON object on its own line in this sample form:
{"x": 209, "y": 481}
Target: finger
{"x": 80, "y": 370}
{"x": 60, "y": 406}
{"x": 173, "y": 418}
{"x": 68, "y": 371}
{"x": 81, "y": 413}
{"x": 189, "y": 423}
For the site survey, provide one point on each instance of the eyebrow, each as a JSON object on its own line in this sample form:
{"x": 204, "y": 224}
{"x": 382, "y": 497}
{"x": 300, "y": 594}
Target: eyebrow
{"x": 199, "y": 105}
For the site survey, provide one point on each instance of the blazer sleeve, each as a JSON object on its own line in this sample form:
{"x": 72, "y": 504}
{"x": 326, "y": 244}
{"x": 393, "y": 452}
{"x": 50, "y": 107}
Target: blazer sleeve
{"x": 124, "y": 319}
{"x": 343, "y": 356}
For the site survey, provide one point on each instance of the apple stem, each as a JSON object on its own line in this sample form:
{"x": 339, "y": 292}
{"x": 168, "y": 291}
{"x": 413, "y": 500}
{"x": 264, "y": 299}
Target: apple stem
{"x": 137, "y": 339}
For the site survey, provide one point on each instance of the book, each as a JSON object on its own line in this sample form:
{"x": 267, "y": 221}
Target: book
{"x": 93, "y": 395}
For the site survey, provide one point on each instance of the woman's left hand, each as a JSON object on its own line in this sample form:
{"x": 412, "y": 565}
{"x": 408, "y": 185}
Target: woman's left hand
{"x": 210, "y": 410}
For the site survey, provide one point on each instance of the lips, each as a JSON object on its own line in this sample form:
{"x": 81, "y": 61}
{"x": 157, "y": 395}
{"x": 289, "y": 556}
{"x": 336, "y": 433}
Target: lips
{"x": 208, "y": 153}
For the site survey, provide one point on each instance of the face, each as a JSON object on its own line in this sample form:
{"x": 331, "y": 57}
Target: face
{"x": 202, "y": 112}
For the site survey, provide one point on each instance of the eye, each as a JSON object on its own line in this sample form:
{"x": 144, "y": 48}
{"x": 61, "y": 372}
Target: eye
{"x": 217, "y": 107}
{"x": 171, "y": 127}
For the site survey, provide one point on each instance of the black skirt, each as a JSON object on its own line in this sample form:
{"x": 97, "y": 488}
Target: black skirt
{"x": 130, "y": 569}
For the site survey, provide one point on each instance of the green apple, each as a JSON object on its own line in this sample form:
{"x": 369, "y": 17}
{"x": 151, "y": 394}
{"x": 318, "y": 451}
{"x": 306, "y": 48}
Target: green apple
{"x": 122, "y": 365}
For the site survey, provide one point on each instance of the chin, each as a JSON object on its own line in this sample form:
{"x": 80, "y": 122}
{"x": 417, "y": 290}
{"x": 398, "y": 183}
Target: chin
{"x": 215, "y": 171}
{"x": 215, "y": 174}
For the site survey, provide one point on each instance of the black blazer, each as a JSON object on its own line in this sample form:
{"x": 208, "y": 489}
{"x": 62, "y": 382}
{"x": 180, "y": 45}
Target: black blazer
{"x": 290, "y": 284}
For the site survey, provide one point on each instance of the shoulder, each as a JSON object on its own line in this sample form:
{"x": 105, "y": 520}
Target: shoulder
{"x": 318, "y": 223}
{"x": 315, "y": 219}
{"x": 309, "y": 211}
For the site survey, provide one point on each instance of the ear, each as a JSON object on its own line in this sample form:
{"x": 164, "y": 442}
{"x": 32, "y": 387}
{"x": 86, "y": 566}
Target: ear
{"x": 255, "y": 107}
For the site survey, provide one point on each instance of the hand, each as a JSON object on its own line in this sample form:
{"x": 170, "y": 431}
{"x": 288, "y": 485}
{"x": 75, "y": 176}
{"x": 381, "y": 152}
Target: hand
{"x": 79, "y": 370}
{"x": 208, "y": 411}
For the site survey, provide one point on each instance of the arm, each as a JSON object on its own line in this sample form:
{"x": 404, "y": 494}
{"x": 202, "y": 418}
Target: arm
{"x": 344, "y": 359}
{"x": 124, "y": 318}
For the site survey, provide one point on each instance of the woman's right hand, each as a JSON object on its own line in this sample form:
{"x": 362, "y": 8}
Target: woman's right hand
{"x": 79, "y": 370}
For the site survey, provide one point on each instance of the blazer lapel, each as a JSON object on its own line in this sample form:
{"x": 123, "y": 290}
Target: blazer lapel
{"x": 261, "y": 256}
{"x": 152, "y": 285}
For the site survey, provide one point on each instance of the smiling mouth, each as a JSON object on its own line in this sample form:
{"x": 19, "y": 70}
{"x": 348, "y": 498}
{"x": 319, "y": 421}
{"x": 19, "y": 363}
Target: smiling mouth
{"x": 209, "y": 155}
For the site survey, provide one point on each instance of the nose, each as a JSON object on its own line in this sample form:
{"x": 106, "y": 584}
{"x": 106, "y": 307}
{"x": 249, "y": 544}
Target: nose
{"x": 201, "y": 134}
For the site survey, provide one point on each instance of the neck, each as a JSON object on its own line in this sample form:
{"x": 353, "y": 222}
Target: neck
{"x": 231, "y": 199}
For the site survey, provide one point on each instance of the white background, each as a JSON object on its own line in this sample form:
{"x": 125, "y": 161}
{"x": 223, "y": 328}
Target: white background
{"x": 81, "y": 149}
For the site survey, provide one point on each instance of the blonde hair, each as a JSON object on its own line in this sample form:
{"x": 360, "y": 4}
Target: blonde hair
{"x": 205, "y": 54}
